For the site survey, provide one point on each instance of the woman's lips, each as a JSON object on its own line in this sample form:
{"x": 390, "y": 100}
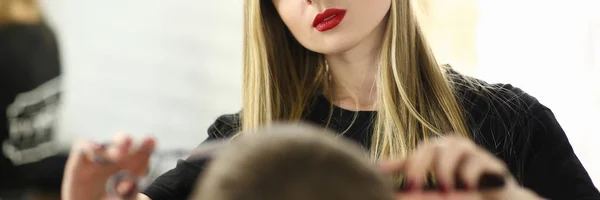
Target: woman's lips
{"x": 329, "y": 19}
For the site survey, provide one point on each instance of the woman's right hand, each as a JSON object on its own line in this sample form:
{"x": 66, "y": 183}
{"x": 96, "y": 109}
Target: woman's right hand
{"x": 455, "y": 159}
{"x": 90, "y": 165}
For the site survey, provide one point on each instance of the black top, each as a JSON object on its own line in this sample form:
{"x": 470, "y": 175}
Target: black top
{"x": 503, "y": 119}
{"x": 29, "y": 96}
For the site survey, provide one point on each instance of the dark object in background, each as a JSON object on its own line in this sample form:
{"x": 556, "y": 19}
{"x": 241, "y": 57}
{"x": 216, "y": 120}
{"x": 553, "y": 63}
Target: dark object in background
{"x": 29, "y": 99}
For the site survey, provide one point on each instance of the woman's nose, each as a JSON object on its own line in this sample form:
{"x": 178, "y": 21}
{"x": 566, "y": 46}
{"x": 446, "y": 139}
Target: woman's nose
{"x": 308, "y": 1}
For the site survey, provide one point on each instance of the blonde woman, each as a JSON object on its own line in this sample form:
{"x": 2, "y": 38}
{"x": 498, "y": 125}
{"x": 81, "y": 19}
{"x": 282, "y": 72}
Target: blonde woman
{"x": 363, "y": 69}
{"x": 29, "y": 96}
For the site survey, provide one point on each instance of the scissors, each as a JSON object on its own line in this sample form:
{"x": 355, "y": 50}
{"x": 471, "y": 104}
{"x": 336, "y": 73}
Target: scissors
{"x": 207, "y": 150}
{"x": 203, "y": 152}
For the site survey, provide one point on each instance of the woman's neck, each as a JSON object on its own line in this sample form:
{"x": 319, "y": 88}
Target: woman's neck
{"x": 353, "y": 73}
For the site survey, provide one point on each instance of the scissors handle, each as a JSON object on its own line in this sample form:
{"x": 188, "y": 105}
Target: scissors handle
{"x": 113, "y": 182}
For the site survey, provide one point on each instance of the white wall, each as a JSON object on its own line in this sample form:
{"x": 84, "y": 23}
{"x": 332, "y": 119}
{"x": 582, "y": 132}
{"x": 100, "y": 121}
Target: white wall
{"x": 148, "y": 66}
{"x": 450, "y": 29}
{"x": 549, "y": 49}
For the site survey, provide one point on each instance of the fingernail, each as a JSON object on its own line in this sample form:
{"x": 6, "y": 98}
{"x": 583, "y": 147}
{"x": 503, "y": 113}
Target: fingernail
{"x": 443, "y": 188}
{"x": 411, "y": 186}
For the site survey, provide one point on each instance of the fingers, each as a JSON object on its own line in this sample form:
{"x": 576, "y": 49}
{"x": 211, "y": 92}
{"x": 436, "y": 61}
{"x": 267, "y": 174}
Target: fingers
{"x": 118, "y": 151}
{"x": 471, "y": 170}
{"x": 144, "y": 152}
{"x": 88, "y": 152}
{"x": 119, "y": 147}
{"x": 88, "y": 149}
{"x": 148, "y": 145}
{"x": 126, "y": 188}
{"x": 90, "y": 165}
{"x": 448, "y": 162}
{"x": 453, "y": 152}
{"x": 391, "y": 167}
{"x": 122, "y": 184}
{"x": 122, "y": 149}
{"x": 452, "y": 159}
{"x": 476, "y": 166}
{"x": 418, "y": 164}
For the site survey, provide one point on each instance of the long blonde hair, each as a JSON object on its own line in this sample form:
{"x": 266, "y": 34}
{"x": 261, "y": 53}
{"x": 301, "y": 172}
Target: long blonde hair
{"x": 416, "y": 100}
{"x": 19, "y": 11}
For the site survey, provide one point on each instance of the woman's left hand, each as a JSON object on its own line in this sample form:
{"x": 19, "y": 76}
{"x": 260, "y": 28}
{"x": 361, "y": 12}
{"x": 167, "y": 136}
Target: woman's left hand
{"x": 455, "y": 159}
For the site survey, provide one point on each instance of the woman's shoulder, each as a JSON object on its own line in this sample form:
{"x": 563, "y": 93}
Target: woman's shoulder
{"x": 500, "y": 98}
{"x": 497, "y": 112}
{"x": 225, "y": 126}
{"x": 26, "y": 31}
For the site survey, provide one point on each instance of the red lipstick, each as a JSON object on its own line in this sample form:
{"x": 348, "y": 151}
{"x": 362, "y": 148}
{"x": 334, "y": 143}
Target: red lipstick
{"x": 329, "y": 19}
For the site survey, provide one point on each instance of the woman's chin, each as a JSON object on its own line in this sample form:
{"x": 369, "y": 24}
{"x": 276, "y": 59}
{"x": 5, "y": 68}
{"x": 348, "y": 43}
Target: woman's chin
{"x": 331, "y": 48}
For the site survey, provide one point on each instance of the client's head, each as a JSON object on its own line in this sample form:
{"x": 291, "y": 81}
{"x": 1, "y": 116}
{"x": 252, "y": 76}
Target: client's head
{"x": 292, "y": 162}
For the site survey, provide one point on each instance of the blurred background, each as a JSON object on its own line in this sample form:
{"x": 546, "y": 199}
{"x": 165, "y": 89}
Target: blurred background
{"x": 170, "y": 68}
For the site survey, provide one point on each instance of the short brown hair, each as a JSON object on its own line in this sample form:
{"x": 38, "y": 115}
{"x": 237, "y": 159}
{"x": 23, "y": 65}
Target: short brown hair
{"x": 292, "y": 162}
